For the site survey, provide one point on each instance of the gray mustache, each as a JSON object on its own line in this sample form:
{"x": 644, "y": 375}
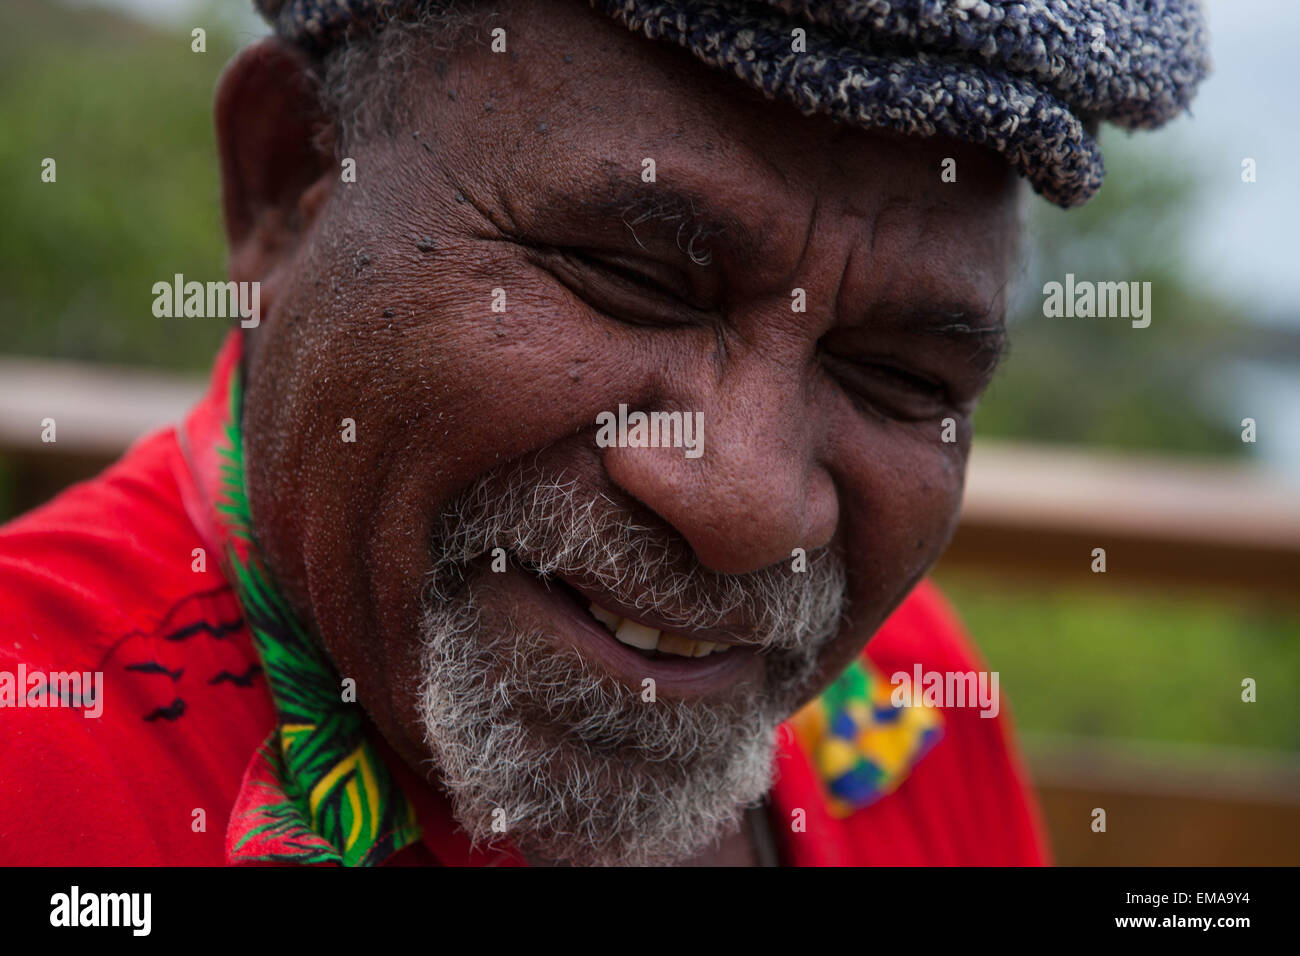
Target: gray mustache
{"x": 554, "y": 527}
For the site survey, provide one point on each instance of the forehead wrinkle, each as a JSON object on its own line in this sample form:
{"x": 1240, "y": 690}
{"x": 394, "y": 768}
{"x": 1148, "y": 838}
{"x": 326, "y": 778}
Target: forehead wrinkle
{"x": 934, "y": 241}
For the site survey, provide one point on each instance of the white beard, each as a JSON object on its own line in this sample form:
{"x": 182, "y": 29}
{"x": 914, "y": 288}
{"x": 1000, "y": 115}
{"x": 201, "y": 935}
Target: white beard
{"x": 577, "y": 766}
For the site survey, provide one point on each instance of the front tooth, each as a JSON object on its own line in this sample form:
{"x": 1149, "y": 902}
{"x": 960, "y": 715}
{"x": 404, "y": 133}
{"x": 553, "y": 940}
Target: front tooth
{"x": 637, "y": 635}
{"x": 704, "y": 648}
{"x": 676, "y": 644}
{"x": 608, "y": 618}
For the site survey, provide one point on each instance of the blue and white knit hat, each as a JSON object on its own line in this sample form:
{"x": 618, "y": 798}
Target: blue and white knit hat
{"x": 1031, "y": 79}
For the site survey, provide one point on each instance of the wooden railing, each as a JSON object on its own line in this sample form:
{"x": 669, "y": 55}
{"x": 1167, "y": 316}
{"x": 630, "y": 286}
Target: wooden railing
{"x": 97, "y": 411}
{"x": 1166, "y": 805}
{"x": 1039, "y": 512}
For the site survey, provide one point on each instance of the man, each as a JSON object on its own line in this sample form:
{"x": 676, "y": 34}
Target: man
{"x": 607, "y": 397}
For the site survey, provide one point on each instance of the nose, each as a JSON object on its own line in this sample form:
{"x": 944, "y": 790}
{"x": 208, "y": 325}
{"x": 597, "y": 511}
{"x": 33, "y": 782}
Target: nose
{"x": 758, "y": 489}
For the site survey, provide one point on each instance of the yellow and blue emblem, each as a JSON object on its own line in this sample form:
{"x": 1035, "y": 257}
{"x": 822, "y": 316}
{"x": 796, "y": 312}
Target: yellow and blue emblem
{"x": 861, "y": 745}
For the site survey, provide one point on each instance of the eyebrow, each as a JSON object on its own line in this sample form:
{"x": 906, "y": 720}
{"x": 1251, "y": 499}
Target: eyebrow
{"x": 960, "y": 327}
{"x": 683, "y": 214}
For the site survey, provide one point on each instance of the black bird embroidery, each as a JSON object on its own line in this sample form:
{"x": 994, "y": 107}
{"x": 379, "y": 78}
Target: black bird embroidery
{"x": 239, "y": 680}
{"x": 218, "y": 630}
{"x": 153, "y": 667}
{"x": 170, "y": 712}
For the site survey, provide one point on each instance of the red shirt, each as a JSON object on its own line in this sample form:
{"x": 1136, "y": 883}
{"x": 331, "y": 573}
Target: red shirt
{"x": 105, "y": 578}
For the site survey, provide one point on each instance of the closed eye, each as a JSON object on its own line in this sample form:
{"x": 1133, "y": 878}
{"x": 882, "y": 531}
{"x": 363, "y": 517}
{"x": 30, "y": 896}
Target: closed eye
{"x": 635, "y": 289}
{"x": 890, "y": 388}
{"x": 647, "y": 274}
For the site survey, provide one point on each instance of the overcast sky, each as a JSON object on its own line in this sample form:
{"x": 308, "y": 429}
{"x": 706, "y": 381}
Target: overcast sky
{"x": 1248, "y": 107}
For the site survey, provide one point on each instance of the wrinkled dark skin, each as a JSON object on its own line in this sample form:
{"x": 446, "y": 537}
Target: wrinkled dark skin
{"x": 822, "y": 427}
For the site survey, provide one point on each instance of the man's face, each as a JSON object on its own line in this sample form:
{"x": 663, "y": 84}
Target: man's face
{"x": 520, "y": 177}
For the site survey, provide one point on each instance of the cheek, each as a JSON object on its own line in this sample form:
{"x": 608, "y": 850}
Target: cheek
{"x": 440, "y": 388}
{"x": 496, "y": 384}
{"x": 449, "y": 367}
{"x": 901, "y": 493}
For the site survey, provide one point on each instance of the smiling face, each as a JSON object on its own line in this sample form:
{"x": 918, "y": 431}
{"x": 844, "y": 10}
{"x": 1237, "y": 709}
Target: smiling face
{"x": 520, "y": 675}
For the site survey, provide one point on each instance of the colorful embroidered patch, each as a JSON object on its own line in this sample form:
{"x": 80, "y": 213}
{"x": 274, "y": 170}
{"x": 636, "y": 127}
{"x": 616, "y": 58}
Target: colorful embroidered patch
{"x": 862, "y": 746}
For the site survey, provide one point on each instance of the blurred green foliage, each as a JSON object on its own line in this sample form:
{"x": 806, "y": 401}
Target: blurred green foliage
{"x": 1094, "y": 662}
{"x": 126, "y": 113}
{"x": 1099, "y": 381}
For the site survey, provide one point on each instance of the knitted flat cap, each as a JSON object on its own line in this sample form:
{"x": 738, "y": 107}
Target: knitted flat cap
{"x": 1031, "y": 79}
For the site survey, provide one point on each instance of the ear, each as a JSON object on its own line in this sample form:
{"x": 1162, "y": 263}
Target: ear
{"x": 276, "y": 165}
